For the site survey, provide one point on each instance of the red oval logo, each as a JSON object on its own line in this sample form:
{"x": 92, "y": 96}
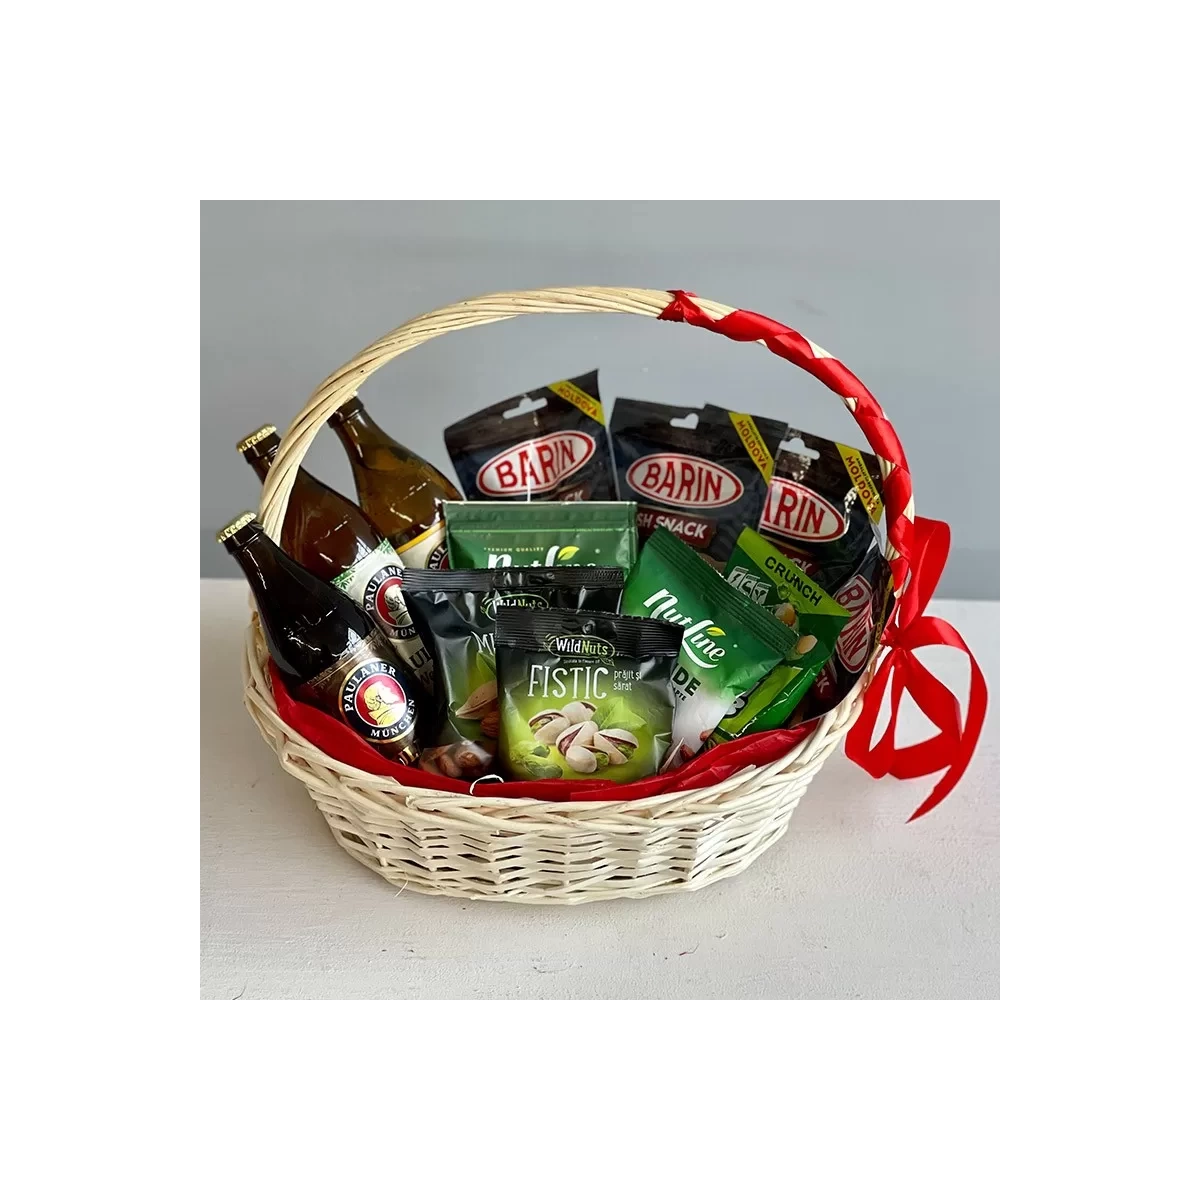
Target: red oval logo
{"x": 535, "y": 465}
{"x": 854, "y": 642}
{"x": 798, "y": 512}
{"x": 684, "y": 480}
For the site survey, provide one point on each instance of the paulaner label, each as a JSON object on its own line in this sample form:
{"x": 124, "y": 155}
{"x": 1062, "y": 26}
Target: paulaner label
{"x": 376, "y": 582}
{"x": 365, "y": 689}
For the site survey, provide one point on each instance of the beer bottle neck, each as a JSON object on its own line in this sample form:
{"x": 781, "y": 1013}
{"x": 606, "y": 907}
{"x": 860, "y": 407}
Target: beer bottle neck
{"x": 307, "y": 622}
{"x": 359, "y": 432}
{"x": 261, "y": 456}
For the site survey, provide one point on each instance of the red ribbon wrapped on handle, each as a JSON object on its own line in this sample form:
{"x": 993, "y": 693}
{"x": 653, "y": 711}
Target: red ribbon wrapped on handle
{"x": 922, "y": 547}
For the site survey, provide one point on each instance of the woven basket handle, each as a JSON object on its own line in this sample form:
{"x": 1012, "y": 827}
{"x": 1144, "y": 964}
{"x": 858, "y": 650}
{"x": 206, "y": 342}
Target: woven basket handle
{"x": 677, "y": 306}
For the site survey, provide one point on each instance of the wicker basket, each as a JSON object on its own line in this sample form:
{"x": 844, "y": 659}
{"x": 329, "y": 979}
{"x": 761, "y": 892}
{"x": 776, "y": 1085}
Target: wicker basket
{"x": 537, "y": 852}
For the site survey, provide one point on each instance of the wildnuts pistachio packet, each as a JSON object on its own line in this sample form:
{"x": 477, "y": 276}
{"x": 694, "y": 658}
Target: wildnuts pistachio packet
{"x": 584, "y": 695}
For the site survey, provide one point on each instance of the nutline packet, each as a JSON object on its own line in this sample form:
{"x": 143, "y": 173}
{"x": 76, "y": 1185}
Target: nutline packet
{"x": 577, "y": 533}
{"x": 729, "y": 642}
{"x": 584, "y": 695}
{"x": 703, "y": 484}
{"x": 557, "y": 451}
{"x": 455, "y": 612}
{"x": 867, "y": 596}
{"x": 765, "y": 574}
{"x": 822, "y": 507}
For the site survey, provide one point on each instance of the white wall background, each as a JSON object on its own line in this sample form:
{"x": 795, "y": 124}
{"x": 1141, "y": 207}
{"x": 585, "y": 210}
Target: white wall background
{"x": 905, "y": 293}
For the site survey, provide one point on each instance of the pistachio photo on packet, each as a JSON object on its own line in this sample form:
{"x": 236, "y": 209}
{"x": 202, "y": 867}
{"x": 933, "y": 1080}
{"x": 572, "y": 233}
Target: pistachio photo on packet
{"x": 729, "y": 641}
{"x": 455, "y": 611}
{"x": 575, "y": 533}
{"x": 584, "y": 695}
{"x": 771, "y": 579}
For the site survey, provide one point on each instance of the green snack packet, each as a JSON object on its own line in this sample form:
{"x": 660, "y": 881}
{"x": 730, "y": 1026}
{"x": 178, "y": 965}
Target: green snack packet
{"x": 584, "y": 696}
{"x": 455, "y": 612}
{"x": 729, "y": 642}
{"x": 577, "y": 533}
{"x": 764, "y": 573}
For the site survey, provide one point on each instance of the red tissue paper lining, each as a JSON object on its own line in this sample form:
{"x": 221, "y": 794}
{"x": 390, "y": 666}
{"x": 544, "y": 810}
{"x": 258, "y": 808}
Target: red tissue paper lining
{"x": 339, "y": 741}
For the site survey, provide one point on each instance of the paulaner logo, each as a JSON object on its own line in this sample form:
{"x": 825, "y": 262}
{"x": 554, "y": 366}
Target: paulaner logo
{"x": 698, "y": 642}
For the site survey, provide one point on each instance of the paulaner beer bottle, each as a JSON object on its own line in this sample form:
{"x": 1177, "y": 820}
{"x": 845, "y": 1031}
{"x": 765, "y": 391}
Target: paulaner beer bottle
{"x": 397, "y": 489}
{"x": 337, "y": 541}
{"x": 328, "y": 651}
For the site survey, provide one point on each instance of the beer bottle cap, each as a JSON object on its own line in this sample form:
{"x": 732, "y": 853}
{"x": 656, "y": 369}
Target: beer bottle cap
{"x": 234, "y": 525}
{"x": 254, "y": 438}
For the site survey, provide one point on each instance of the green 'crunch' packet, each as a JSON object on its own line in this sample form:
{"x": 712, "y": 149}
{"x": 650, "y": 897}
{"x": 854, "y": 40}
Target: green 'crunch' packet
{"x": 729, "y": 642}
{"x": 764, "y": 573}
{"x": 541, "y": 533}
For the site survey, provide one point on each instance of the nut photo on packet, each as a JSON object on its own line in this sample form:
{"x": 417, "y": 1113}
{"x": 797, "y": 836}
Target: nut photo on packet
{"x": 768, "y": 577}
{"x": 455, "y": 612}
{"x": 701, "y": 473}
{"x": 584, "y": 695}
{"x": 729, "y": 642}
{"x": 576, "y": 533}
{"x": 547, "y": 444}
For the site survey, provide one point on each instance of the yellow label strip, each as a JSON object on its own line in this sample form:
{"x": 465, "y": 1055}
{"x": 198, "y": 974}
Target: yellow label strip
{"x": 753, "y": 441}
{"x": 864, "y": 485}
{"x": 578, "y": 397}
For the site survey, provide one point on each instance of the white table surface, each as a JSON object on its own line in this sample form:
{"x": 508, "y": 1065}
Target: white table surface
{"x": 851, "y": 902}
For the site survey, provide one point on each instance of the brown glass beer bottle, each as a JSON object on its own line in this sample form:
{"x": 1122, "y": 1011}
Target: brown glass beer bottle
{"x": 335, "y": 540}
{"x": 330, "y": 653}
{"x": 397, "y": 489}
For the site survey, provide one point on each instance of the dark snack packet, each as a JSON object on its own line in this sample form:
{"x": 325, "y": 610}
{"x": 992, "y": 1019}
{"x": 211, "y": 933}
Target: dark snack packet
{"x": 867, "y": 597}
{"x": 582, "y": 695}
{"x": 704, "y": 483}
{"x": 455, "y": 612}
{"x": 822, "y": 508}
{"x": 557, "y": 451}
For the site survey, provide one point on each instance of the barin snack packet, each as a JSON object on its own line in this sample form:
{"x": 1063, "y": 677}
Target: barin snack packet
{"x": 584, "y": 695}
{"x": 867, "y": 597}
{"x": 768, "y": 577}
{"x": 729, "y": 642}
{"x": 557, "y": 451}
{"x": 579, "y": 533}
{"x": 703, "y": 483}
{"x": 822, "y": 507}
{"x": 455, "y": 612}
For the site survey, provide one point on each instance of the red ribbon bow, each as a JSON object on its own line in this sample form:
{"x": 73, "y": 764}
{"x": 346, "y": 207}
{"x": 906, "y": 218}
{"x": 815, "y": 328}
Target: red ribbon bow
{"x": 951, "y": 748}
{"x": 922, "y": 547}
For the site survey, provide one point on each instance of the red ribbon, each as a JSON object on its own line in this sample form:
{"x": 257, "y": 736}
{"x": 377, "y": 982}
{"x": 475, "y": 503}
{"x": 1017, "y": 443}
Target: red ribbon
{"x": 952, "y": 747}
{"x": 922, "y": 547}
